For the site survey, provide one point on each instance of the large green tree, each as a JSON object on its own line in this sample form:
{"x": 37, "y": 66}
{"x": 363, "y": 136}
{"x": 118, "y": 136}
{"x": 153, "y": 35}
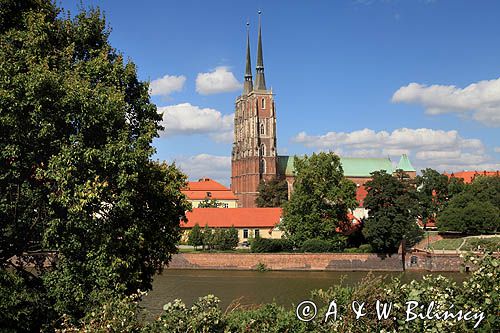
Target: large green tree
{"x": 393, "y": 211}
{"x": 432, "y": 193}
{"x": 321, "y": 199}
{"x": 273, "y": 193}
{"x": 76, "y": 179}
{"x": 474, "y": 211}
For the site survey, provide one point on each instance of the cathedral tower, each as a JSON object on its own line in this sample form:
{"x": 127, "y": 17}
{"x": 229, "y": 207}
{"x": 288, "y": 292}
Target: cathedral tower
{"x": 254, "y": 155}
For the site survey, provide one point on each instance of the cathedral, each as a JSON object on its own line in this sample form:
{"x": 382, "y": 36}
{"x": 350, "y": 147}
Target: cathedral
{"x": 254, "y": 154}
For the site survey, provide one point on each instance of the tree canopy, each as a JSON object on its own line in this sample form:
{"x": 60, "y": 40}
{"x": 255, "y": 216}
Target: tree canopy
{"x": 393, "y": 210}
{"x": 273, "y": 193}
{"x": 321, "y": 199}
{"x": 474, "y": 211}
{"x": 76, "y": 179}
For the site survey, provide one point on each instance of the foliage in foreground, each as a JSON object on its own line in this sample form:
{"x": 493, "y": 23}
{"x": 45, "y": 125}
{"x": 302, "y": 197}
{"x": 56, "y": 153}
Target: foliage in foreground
{"x": 273, "y": 193}
{"x": 77, "y": 184}
{"x": 206, "y": 316}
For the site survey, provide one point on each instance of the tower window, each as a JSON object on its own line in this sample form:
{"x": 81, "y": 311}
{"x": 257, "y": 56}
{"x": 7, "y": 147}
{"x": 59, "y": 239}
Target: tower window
{"x": 262, "y": 166}
{"x": 261, "y": 128}
{"x": 263, "y": 103}
{"x": 262, "y": 150}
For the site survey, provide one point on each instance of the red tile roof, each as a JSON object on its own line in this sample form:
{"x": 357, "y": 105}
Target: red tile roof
{"x": 237, "y": 217}
{"x": 199, "y": 190}
{"x": 469, "y": 176}
{"x": 361, "y": 193}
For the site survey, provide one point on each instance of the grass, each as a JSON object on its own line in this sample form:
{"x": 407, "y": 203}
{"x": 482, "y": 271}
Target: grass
{"x": 471, "y": 244}
{"x": 446, "y": 244}
{"x": 488, "y": 244}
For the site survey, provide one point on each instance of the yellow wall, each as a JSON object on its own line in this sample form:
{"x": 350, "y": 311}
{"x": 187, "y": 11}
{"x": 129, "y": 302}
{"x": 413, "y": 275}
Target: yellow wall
{"x": 263, "y": 233}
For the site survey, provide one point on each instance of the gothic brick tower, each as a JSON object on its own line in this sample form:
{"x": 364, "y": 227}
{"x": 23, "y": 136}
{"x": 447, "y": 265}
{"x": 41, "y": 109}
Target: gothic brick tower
{"x": 254, "y": 154}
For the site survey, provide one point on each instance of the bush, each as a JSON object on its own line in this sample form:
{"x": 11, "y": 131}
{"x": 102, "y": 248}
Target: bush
{"x": 365, "y": 248}
{"x": 268, "y": 245}
{"x": 316, "y": 245}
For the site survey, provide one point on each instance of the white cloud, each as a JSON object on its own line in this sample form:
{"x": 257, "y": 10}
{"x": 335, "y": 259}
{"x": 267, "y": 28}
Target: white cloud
{"x": 215, "y": 167}
{"x": 166, "y": 85}
{"x": 188, "y": 119}
{"x": 481, "y": 99}
{"x": 443, "y": 150}
{"x": 218, "y": 81}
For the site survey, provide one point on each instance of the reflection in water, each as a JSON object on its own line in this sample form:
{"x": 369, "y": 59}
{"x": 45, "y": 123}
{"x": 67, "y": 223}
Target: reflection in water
{"x": 252, "y": 287}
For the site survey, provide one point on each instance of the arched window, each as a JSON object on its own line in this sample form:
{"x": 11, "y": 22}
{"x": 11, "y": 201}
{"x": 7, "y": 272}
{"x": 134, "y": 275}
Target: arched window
{"x": 262, "y": 150}
{"x": 262, "y": 129}
{"x": 263, "y": 103}
{"x": 262, "y": 166}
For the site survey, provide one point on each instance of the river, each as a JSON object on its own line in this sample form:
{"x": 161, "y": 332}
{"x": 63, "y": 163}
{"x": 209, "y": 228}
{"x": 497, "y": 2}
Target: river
{"x": 253, "y": 287}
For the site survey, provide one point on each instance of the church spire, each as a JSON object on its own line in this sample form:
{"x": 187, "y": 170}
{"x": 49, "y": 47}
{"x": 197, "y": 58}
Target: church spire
{"x": 260, "y": 81}
{"x": 248, "y": 85}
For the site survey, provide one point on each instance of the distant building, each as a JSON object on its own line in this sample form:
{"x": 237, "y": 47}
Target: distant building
{"x": 254, "y": 155}
{"x": 250, "y": 222}
{"x": 206, "y": 188}
{"x": 469, "y": 176}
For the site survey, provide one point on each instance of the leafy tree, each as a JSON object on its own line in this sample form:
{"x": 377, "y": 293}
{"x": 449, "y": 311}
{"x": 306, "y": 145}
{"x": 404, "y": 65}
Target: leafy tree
{"x": 474, "y": 211}
{"x": 321, "y": 199}
{"x": 209, "y": 203}
{"x": 455, "y": 186}
{"x": 195, "y": 236}
{"x": 208, "y": 238}
{"x": 273, "y": 193}
{"x": 393, "y": 210}
{"x": 76, "y": 179}
{"x": 432, "y": 193}
{"x": 231, "y": 240}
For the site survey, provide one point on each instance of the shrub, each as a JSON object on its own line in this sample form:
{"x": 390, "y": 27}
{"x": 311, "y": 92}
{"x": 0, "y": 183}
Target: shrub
{"x": 316, "y": 245}
{"x": 268, "y": 245}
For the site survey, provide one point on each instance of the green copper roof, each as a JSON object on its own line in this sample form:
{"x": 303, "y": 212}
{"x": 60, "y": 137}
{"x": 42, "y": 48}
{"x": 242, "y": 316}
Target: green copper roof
{"x": 353, "y": 167}
{"x": 362, "y": 167}
{"x": 405, "y": 164}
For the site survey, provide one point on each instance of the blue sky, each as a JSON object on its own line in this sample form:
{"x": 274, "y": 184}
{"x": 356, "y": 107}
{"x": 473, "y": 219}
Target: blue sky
{"x": 370, "y": 78}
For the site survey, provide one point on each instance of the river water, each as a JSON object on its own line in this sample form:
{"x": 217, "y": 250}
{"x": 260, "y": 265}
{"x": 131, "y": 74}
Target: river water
{"x": 253, "y": 287}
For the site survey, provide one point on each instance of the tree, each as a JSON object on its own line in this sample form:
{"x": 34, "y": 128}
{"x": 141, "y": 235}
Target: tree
{"x": 393, "y": 210}
{"x": 432, "y": 193}
{"x": 321, "y": 199}
{"x": 231, "y": 239}
{"x": 209, "y": 203}
{"x": 208, "y": 238}
{"x": 76, "y": 176}
{"x": 195, "y": 236}
{"x": 273, "y": 193}
{"x": 474, "y": 211}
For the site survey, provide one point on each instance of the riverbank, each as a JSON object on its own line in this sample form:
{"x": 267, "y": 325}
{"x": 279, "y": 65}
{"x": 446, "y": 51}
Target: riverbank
{"x": 416, "y": 261}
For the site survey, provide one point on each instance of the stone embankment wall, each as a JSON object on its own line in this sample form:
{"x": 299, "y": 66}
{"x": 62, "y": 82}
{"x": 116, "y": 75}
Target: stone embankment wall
{"x": 318, "y": 262}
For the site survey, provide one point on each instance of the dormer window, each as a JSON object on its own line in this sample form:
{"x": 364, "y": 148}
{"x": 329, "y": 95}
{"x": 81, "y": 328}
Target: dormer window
{"x": 209, "y": 194}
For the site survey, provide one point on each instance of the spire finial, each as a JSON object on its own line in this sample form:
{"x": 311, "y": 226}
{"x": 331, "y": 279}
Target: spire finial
{"x": 248, "y": 84}
{"x": 260, "y": 82}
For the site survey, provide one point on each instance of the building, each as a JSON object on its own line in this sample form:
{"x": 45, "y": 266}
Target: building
{"x": 469, "y": 176}
{"x": 254, "y": 154}
{"x": 208, "y": 189}
{"x": 250, "y": 222}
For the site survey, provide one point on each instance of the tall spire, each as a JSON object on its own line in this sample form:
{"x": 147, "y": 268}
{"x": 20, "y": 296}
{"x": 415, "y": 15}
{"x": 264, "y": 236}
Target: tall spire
{"x": 260, "y": 81}
{"x": 248, "y": 85}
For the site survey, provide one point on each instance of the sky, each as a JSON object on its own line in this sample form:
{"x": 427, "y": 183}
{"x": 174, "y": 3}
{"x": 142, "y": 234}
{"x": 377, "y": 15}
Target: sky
{"x": 362, "y": 78}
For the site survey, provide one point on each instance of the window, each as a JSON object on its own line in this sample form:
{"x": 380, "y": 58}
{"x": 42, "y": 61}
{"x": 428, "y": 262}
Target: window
{"x": 256, "y": 233}
{"x": 225, "y": 205}
{"x": 209, "y": 194}
{"x": 261, "y": 128}
{"x": 245, "y": 233}
{"x": 263, "y": 150}
{"x": 263, "y": 103}
{"x": 262, "y": 166}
